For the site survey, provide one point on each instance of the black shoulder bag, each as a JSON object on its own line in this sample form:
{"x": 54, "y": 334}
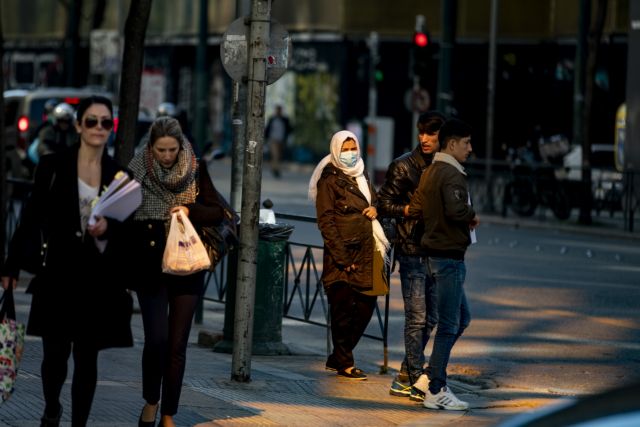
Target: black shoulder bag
{"x": 219, "y": 239}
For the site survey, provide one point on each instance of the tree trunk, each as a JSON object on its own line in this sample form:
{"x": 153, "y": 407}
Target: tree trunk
{"x": 72, "y": 42}
{"x": 3, "y": 154}
{"x": 132, "y": 60}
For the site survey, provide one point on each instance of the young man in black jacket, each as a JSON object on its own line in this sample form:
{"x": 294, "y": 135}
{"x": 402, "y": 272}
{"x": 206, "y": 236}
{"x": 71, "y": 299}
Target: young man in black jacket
{"x": 418, "y": 293}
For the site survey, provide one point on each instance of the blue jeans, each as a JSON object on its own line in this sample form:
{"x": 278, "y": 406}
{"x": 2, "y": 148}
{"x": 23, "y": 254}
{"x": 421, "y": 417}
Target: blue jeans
{"x": 453, "y": 315}
{"x": 420, "y": 315}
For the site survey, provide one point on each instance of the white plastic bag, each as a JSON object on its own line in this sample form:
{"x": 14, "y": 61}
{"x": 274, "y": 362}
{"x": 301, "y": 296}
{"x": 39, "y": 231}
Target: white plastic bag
{"x": 184, "y": 254}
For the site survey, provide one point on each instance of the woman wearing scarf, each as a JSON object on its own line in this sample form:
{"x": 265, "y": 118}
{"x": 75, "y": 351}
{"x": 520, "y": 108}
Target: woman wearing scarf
{"x": 171, "y": 180}
{"x": 355, "y": 247}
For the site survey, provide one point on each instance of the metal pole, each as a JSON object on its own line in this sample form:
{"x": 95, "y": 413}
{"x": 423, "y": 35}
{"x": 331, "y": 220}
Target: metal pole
{"x": 578, "y": 103}
{"x": 201, "y": 76}
{"x": 238, "y": 111}
{"x": 372, "y": 131}
{"x": 420, "y": 26}
{"x": 491, "y": 95}
{"x": 248, "y": 251}
{"x": 445, "y": 97}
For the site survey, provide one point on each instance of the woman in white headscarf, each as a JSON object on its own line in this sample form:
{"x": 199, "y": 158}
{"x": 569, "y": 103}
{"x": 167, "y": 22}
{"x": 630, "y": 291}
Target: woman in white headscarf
{"x": 355, "y": 247}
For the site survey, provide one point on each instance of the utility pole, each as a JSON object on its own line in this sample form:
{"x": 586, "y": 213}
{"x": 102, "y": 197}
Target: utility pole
{"x": 202, "y": 92}
{"x": 259, "y": 32}
{"x": 491, "y": 96}
{"x": 238, "y": 110}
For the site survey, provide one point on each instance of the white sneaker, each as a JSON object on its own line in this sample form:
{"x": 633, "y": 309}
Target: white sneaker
{"x": 445, "y": 399}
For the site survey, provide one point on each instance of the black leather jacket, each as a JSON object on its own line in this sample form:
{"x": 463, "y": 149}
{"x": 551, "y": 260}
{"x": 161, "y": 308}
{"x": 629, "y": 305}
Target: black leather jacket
{"x": 401, "y": 181}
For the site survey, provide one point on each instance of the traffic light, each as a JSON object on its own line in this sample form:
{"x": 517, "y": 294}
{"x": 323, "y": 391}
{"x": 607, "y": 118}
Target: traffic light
{"x": 420, "y": 49}
{"x": 420, "y": 39}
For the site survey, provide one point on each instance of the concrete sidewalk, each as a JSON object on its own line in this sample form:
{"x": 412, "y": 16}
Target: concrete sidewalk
{"x": 292, "y": 390}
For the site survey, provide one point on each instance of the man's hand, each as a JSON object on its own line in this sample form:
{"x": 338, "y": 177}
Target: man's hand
{"x": 474, "y": 222}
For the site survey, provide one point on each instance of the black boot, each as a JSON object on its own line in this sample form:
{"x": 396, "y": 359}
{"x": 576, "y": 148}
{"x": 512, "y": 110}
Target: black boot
{"x": 47, "y": 421}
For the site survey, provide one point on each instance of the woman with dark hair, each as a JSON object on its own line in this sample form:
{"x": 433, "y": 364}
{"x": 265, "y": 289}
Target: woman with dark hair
{"x": 77, "y": 307}
{"x": 172, "y": 180}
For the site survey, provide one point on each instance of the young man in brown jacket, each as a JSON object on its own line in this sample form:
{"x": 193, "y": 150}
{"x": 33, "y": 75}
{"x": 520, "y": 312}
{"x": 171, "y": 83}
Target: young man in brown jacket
{"x": 443, "y": 201}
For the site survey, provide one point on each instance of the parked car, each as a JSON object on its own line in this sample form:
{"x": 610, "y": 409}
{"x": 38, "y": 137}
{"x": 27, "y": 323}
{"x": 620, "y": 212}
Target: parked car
{"x": 24, "y": 112}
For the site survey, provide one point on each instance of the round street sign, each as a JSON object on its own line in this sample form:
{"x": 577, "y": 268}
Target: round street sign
{"x": 234, "y": 50}
{"x": 417, "y": 100}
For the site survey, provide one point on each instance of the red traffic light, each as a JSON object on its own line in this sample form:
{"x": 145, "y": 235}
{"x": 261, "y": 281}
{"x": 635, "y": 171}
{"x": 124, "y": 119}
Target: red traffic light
{"x": 420, "y": 39}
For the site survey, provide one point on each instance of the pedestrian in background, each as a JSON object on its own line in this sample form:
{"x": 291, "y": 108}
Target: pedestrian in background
{"x": 77, "y": 306}
{"x": 55, "y": 134}
{"x": 172, "y": 180}
{"x": 276, "y": 133}
{"x": 443, "y": 200}
{"x": 353, "y": 237}
{"x": 418, "y": 292}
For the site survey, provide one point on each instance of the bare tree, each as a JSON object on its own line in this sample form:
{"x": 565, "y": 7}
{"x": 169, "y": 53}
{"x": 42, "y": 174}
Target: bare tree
{"x": 135, "y": 29}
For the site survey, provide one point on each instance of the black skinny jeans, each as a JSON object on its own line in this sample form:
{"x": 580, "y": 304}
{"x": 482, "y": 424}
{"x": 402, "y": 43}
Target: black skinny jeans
{"x": 166, "y": 336}
{"x": 56, "y": 352}
{"x": 351, "y": 312}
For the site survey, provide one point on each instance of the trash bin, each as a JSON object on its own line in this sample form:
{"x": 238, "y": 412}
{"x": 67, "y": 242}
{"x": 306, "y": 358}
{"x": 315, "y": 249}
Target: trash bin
{"x": 269, "y": 293}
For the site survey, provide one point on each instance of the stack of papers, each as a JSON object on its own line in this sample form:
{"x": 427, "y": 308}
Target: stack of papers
{"x": 119, "y": 200}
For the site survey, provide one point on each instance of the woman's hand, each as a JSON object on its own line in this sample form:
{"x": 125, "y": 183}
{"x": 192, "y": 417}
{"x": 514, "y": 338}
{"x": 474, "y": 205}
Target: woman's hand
{"x": 99, "y": 228}
{"x": 184, "y": 209}
{"x": 370, "y": 213}
{"x": 6, "y": 281}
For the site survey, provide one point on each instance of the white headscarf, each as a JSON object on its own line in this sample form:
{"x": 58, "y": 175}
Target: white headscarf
{"x": 356, "y": 171}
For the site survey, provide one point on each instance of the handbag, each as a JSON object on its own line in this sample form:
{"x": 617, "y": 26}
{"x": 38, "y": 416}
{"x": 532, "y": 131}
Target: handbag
{"x": 379, "y": 275}
{"x": 11, "y": 344}
{"x": 184, "y": 252}
{"x": 219, "y": 239}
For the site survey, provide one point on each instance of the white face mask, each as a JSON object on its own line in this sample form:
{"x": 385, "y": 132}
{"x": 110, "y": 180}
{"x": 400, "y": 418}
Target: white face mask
{"x": 349, "y": 158}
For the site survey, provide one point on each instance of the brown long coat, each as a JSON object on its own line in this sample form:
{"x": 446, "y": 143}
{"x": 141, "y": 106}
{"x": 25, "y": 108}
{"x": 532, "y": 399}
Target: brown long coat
{"x": 347, "y": 233}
